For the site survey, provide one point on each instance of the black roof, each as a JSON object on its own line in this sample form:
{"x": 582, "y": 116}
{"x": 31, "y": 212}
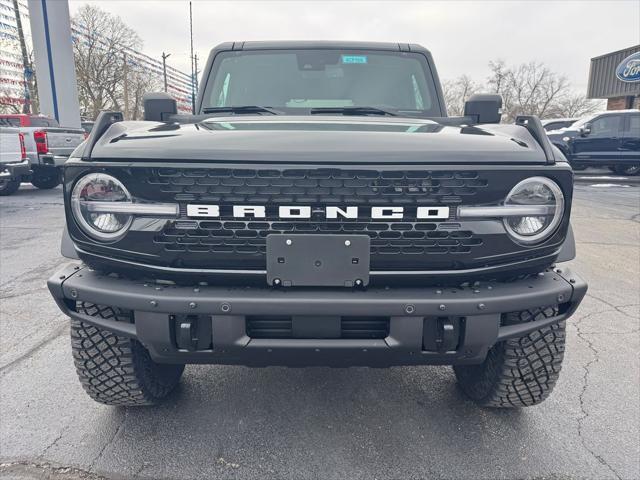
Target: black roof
{"x": 323, "y": 44}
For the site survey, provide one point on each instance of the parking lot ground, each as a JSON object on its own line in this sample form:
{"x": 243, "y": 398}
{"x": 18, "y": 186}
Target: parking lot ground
{"x": 358, "y": 423}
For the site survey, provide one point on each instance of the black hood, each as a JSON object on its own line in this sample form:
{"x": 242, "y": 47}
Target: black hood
{"x": 318, "y": 139}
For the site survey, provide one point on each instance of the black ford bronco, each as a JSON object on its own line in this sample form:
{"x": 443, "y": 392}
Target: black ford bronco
{"x": 320, "y": 208}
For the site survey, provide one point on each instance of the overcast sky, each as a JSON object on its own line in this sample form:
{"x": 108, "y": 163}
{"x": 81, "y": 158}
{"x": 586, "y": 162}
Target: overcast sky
{"x": 462, "y": 35}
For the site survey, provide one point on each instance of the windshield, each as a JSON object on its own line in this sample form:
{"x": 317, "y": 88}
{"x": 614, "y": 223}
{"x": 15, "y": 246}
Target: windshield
{"x": 297, "y": 81}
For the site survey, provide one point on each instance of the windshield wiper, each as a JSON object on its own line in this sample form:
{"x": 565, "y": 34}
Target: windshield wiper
{"x": 241, "y": 109}
{"x": 352, "y": 111}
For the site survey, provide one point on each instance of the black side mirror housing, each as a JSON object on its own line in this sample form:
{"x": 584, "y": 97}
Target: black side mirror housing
{"x": 484, "y": 107}
{"x": 159, "y": 106}
{"x": 585, "y": 130}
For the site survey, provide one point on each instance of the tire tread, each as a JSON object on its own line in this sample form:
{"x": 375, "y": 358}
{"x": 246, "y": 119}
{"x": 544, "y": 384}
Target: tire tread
{"x": 117, "y": 370}
{"x": 518, "y": 372}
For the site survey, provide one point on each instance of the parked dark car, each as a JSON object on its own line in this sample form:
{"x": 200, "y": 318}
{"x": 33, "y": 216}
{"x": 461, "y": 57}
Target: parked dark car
{"x": 551, "y": 124}
{"x": 607, "y": 139}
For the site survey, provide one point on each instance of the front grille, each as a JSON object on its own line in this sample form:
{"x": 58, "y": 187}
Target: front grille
{"x": 353, "y": 328}
{"x": 231, "y": 244}
{"x": 246, "y": 240}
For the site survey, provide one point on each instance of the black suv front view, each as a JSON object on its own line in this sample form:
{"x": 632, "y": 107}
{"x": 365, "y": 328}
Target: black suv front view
{"x": 321, "y": 209}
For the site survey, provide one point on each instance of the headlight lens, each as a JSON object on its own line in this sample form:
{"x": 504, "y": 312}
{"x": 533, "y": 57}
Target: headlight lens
{"x": 535, "y": 191}
{"x": 94, "y": 188}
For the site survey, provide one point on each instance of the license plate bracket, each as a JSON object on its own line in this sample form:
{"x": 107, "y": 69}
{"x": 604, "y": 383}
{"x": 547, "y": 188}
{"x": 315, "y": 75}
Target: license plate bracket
{"x": 318, "y": 260}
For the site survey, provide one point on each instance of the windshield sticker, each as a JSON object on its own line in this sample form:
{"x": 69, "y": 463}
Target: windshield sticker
{"x": 354, "y": 59}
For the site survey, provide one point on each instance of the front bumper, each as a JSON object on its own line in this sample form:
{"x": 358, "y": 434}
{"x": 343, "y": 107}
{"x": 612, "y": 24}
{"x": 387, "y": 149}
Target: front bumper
{"x": 14, "y": 170}
{"x": 478, "y": 308}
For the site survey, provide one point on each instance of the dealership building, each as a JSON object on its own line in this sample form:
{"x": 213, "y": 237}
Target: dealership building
{"x": 615, "y": 77}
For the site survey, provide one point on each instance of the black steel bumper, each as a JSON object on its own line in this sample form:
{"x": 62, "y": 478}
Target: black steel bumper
{"x": 478, "y": 309}
{"x": 13, "y": 170}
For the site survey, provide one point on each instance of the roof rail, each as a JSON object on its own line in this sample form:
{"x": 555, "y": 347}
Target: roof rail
{"x": 534, "y": 126}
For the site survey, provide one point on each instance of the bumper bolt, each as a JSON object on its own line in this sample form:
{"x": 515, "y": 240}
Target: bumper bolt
{"x": 438, "y": 292}
{"x": 153, "y": 303}
{"x": 560, "y": 298}
{"x": 481, "y": 306}
{"x": 573, "y": 280}
{"x": 196, "y": 290}
{"x": 442, "y": 307}
{"x": 409, "y": 309}
{"x": 288, "y": 242}
{"x": 225, "y": 307}
{"x": 74, "y": 294}
{"x": 193, "y": 305}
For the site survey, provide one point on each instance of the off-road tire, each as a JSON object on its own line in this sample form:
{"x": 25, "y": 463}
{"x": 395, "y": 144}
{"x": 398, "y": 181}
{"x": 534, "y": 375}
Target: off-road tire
{"x": 117, "y": 370}
{"x": 629, "y": 170}
{"x": 519, "y": 372}
{"x": 45, "y": 178}
{"x": 9, "y": 187}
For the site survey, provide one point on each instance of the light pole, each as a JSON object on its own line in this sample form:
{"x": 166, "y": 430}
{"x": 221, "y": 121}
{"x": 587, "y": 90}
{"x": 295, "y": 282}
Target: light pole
{"x": 164, "y": 68}
{"x": 193, "y": 74}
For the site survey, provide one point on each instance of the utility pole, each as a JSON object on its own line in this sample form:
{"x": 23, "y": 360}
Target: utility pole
{"x": 26, "y": 64}
{"x": 125, "y": 72}
{"x": 195, "y": 68}
{"x": 193, "y": 74}
{"x": 164, "y": 68}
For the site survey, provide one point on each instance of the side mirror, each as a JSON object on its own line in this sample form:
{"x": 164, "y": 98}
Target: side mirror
{"x": 585, "y": 130}
{"x": 159, "y": 106}
{"x": 484, "y": 107}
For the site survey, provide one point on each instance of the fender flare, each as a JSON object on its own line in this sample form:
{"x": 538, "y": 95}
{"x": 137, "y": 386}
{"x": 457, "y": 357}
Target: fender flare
{"x": 568, "y": 248}
{"x": 67, "y": 247}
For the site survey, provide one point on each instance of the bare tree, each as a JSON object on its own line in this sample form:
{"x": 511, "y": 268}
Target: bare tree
{"x": 99, "y": 53}
{"x": 140, "y": 82}
{"x": 458, "y": 91}
{"x": 26, "y": 61}
{"x": 575, "y": 106}
{"x": 526, "y": 89}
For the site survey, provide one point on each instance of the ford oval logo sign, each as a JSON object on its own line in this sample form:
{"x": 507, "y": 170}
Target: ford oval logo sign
{"x": 629, "y": 68}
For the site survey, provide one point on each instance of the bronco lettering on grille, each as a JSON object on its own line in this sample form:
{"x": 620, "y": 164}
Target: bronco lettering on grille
{"x": 305, "y": 212}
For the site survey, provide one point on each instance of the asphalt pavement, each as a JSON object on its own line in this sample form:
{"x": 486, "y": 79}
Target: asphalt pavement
{"x": 358, "y": 423}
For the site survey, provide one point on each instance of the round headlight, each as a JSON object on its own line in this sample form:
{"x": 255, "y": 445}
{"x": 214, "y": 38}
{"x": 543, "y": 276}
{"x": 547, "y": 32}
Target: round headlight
{"x": 535, "y": 191}
{"x": 91, "y": 204}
